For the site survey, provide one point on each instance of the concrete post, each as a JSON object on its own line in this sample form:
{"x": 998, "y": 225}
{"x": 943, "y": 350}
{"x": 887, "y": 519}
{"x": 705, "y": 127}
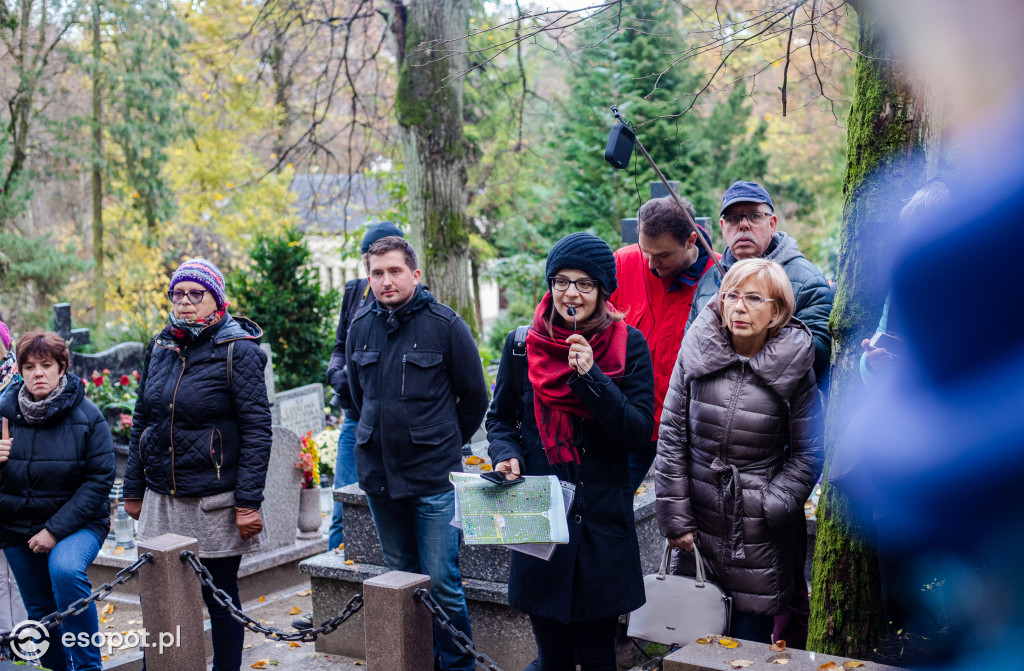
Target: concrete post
{"x": 399, "y": 631}
{"x": 172, "y": 606}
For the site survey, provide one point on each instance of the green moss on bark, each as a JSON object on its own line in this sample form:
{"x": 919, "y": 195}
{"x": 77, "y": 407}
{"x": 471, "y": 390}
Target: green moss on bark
{"x": 885, "y": 163}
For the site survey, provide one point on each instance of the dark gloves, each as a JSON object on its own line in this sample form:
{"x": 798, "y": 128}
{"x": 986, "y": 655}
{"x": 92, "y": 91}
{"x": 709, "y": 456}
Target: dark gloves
{"x": 248, "y": 522}
{"x": 133, "y": 507}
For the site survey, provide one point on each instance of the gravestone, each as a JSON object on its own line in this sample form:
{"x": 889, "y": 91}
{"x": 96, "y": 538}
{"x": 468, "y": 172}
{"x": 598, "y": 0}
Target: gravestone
{"x": 120, "y": 359}
{"x": 302, "y": 409}
{"x": 281, "y": 492}
{"x": 268, "y": 376}
{"x": 629, "y": 227}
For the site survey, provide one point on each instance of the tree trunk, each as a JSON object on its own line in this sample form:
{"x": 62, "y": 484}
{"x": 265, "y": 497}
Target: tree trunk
{"x": 885, "y": 163}
{"x": 99, "y": 277}
{"x": 429, "y": 107}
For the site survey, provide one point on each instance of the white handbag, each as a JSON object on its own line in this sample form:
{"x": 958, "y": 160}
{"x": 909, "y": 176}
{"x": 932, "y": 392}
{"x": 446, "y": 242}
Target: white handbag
{"x": 680, "y": 609}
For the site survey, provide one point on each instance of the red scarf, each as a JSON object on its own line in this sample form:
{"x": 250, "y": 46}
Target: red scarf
{"x": 554, "y": 403}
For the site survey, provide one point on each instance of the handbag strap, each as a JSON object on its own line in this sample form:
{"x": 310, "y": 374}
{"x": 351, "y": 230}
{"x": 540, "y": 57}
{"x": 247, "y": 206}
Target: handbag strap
{"x": 698, "y": 560}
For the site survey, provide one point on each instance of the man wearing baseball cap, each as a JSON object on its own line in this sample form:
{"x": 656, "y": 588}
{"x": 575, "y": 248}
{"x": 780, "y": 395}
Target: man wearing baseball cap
{"x": 748, "y": 224}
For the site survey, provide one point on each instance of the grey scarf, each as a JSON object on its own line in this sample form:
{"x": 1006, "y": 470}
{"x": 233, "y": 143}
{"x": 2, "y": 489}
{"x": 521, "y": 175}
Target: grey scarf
{"x": 35, "y": 411}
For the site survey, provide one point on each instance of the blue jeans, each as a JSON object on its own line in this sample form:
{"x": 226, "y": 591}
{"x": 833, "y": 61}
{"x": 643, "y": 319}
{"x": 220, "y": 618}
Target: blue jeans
{"x": 53, "y": 581}
{"x": 416, "y": 535}
{"x": 344, "y": 474}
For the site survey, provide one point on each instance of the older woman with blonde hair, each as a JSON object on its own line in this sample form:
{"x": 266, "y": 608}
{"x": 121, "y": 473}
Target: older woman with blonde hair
{"x": 742, "y": 442}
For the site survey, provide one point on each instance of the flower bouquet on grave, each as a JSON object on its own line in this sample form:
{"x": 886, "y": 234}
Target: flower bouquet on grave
{"x": 327, "y": 443}
{"x": 112, "y": 393}
{"x": 309, "y": 462}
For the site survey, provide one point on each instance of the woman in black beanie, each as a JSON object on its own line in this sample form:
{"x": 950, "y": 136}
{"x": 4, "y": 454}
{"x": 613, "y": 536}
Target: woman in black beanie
{"x": 581, "y": 398}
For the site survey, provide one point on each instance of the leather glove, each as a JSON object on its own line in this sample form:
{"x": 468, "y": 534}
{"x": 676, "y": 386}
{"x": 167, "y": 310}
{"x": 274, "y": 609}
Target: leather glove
{"x": 133, "y": 507}
{"x": 248, "y": 522}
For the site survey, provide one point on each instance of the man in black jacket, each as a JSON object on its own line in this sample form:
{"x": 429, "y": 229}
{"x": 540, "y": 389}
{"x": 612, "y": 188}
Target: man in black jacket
{"x": 357, "y": 296}
{"x": 418, "y": 391}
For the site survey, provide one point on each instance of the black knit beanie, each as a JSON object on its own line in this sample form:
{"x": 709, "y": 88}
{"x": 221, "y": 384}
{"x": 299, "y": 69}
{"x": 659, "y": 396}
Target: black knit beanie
{"x": 586, "y": 252}
{"x": 380, "y": 230}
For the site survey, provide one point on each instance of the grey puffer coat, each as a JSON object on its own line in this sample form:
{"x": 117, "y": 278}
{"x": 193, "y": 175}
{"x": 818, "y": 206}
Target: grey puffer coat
{"x": 741, "y": 446}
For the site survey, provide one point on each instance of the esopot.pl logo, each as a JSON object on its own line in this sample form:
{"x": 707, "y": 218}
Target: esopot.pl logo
{"x": 31, "y": 640}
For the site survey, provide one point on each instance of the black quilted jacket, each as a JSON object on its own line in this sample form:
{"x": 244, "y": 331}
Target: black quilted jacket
{"x": 740, "y": 447}
{"x": 193, "y": 436}
{"x": 59, "y": 472}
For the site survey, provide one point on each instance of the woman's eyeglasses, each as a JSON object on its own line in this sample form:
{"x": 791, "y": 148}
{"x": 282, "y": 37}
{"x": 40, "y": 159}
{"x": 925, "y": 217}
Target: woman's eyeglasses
{"x": 195, "y": 297}
{"x": 582, "y": 286}
{"x": 750, "y": 300}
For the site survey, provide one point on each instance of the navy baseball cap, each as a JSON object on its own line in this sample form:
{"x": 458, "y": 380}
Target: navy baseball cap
{"x": 379, "y": 230}
{"x": 746, "y": 192}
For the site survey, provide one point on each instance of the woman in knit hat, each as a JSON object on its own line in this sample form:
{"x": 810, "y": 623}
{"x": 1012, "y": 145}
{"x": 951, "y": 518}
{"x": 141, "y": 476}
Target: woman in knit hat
{"x": 201, "y": 438}
{"x": 574, "y": 406}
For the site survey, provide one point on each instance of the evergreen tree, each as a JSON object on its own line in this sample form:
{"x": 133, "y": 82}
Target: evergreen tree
{"x": 282, "y": 294}
{"x": 703, "y": 150}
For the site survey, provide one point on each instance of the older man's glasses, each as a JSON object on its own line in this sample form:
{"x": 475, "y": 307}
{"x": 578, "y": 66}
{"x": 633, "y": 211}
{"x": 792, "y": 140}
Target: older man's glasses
{"x": 750, "y": 300}
{"x": 582, "y": 286}
{"x": 752, "y": 217}
{"x": 195, "y": 297}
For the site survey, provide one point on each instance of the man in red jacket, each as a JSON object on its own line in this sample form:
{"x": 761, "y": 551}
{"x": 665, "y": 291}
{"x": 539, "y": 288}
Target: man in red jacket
{"x": 657, "y": 278}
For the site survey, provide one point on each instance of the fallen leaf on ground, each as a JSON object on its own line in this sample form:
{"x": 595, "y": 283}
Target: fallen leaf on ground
{"x": 306, "y": 592}
{"x": 108, "y": 609}
{"x": 728, "y": 643}
{"x": 295, "y": 610}
{"x": 348, "y": 562}
{"x": 119, "y": 550}
{"x": 106, "y": 657}
{"x": 780, "y": 660}
{"x": 485, "y": 467}
{"x": 740, "y": 663}
{"x": 829, "y": 665}
{"x": 474, "y": 460}
{"x": 853, "y": 665}
{"x": 341, "y": 546}
{"x": 104, "y": 620}
{"x": 262, "y": 664}
{"x": 777, "y": 646}
{"x": 703, "y": 641}
{"x": 262, "y": 599}
{"x": 294, "y": 644}
{"x": 640, "y": 490}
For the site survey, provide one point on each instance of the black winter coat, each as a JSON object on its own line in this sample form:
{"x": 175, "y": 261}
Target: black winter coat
{"x": 418, "y": 390}
{"x": 741, "y": 446}
{"x": 59, "y": 472}
{"x": 192, "y": 436}
{"x": 357, "y": 296}
{"x": 597, "y": 573}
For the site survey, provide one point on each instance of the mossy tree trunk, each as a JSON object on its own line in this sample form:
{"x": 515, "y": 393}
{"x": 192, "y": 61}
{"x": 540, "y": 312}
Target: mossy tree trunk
{"x": 429, "y": 106}
{"x": 886, "y": 132}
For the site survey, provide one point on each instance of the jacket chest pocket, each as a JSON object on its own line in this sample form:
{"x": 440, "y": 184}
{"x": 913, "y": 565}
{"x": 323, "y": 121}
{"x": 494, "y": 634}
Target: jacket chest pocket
{"x": 369, "y": 370}
{"x": 423, "y": 375}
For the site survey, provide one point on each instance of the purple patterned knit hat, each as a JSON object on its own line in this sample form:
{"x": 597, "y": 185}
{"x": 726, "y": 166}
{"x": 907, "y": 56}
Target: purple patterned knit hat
{"x": 202, "y": 272}
{"x": 5, "y": 336}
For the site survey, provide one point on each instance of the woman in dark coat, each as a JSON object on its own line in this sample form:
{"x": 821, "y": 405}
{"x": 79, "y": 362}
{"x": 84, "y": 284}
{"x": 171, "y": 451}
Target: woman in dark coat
{"x": 741, "y": 442}
{"x": 586, "y": 398}
{"x": 201, "y": 439}
{"x": 56, "y": 471}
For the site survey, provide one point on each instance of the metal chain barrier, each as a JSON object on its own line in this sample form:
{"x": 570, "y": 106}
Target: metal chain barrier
{"x": 461, "y": 640}
{"x": 273, "y": 633}
{"x": 102, "y": 592}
